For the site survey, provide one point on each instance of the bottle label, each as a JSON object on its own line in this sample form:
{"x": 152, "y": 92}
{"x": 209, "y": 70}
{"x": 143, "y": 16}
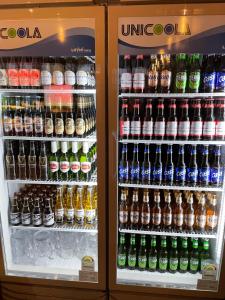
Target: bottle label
{"x": 173, "y": 264}
{"x": 209, "y": 80}
{"x": 194, "y": 262}
{"x": 134, "y": 173}
{"x": 59, "y": 214}
{"x": 171, "y": 128}
{"x": 168, "y": 173}
{"x": 124, "y": 127}
{"x": 70, "y": 78}
{"x": 64, "y": 166}
{"x": 220, "y": 128}
{"x": 54, "y": 166}
{"x": 142, "y": 261}
{"x": 192, "y": 175}
{"x": 201, "y": 221}
{"x": 38, "y": 124}
{"x": 204, "y": 175}
{"x": 139, "y": 81}
{"x": 85, "y": 167}
{"x": 15, "y": 218}
{"x": 123, "y": 172}
{"x": 145, "y": 218}
{"x": 121, "y": 260}
{"x": 35, "y": 77}
{"x": 13, "y": 77}
{"x": 37, "y": 219}
{"x": 163, "y": 262}
{"x": 189, "y": 219}
{"x": 165, "y": 78}
{"x": 79, "y": 216}
{"x": 59, "y": 126}
{"x": 153, "y": 77}
{"x": 3, "y": 77}
{"x": 49, "y": 126}
{"x": 211, "y": 221}
{"x": 167, "y": 219}
{"x": 135, "y": 128}
{"x": 18, "y": 124}
{"x": 46, "y": 78}
{"x": 123, "y": 217}
{"x": 57, "y": 77}
{"x": 156, "y": 218}
{"x": 180, "y": 174}
{"x": 216, "y": 175}
{"x": 220, "y": 81}
{"x": 8, "y": 124}
{"x": 82, "y": 78}
{"x": 80, "y": 126}
{"x": 145, "y": 173}
{"x": 183, "y": 263}
{"x": 48, "y": 219}
{"x": 152, "y": 262}
{"x": 24, "y": 78}
{"x": 28, "y": 124}
{"x": 183, "y": 128}
{"x": 181, "y": 80}
{"x": 89, "y": 215}
{"x": 26, "y": 218}
{"x": 194, "y": 80}
{"x": 126, "y": 81}
{"x": 147, "y": 129}
{"x": 209, "y": 128}
{"x": 159, "y": 128}
{"x": 69, "y": 126}
{"x": 70, "y": 213}
{"x": 196, "y": 128}
{"x": 132, "y": 260}
{"x": 179, "y": 219}
{"x": 157, "y": 173}
{"x": 134, "y": 217}
{"x": 75, "y": 166}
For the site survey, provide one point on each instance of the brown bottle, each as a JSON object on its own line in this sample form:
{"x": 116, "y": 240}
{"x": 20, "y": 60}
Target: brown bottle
{"x": 22, "y": 166}
{"x": 123, "y": 210}
{"x": 145, "y": 211}
{"x": 189, "y": 214}
{"x": 10, "y": 162}
{"x": 178, "y": 214}
{"x": 134, "y": 211}
{"x": 14, "y": 213}
{"x": 156, "y": 212}
{"x": 200, "y": 216}
{"x": 167, "y": 213}
{"x": 212, "y": 215}
{"x": 48, "y": 215}
{"x": 32, "y": 162}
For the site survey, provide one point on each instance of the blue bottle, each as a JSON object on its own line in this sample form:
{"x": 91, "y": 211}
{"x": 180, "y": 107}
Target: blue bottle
{"x": 204, "y": 170}
{"x": 216, "y": 170}
{"x": 135, "y": 167}
{"x": 192, "y": 169}
{"x": 180, "y": 170}
{"x": 168, "y": 172}
{"x": 220, "y": 75}
{"x": 124, "y": 166}
{"x": 146, "y": 167}
{"x": 157, "y": 168}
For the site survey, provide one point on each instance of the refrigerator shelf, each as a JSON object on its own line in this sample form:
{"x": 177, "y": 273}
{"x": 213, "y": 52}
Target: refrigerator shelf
{"x": 49, "y": 91}
{"x": 204, "y": 235}
{"x": 172, "y": 187}
{"x": 92, "y": 182}
{"x": 170, "y": 142}
{"x": 171, "y": 95}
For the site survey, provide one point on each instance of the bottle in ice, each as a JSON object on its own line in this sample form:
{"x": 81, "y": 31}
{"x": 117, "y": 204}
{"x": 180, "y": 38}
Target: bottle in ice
{"x": 124, "y": 121}
{"x": 37, "y": 214}
{"x": 134, "y": 211}
{"x": 147, "y": 124}
{"x": 192, "y": 169}
{"x": 157, "y": 168}
{"x": 48, "y": 214}
{"x": 126, "y": 75}
{"x": 53, "y": 163}
{"x": 124, "y": 166}
{"x": 14, "y": 215}
{"x": 123, "y": 210}
{"x": 85, "y": 163}
{"x": 10, "y": 162}
{"x": 142, "y": 254}
{"x": 122, "y": 253}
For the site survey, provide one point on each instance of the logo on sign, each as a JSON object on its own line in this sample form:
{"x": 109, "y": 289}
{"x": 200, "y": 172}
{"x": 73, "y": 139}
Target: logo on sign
{"x": 21, "y": 32}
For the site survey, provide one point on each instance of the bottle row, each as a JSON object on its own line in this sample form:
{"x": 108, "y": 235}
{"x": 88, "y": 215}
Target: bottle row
{"x": 163, "y": 254}
{"x": 187, "y": 119}
{"x": 27, "y": 72}
{"x": 50, "y": 162}
{"x": 166, "y": 73}
{"x": 177, "y": 167}
{"x": 30, "y": 117}
{"x": 173, "y": 212}
{"x": 48, "y": 206}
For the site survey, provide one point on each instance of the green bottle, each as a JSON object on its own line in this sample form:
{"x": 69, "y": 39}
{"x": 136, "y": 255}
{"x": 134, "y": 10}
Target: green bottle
{"x": 184, "y": 256}
{"x": 132, "y": 253}
{"x": 85, "y": 163}
{"x": 53, "y": 161}
{"x": 142, "y": 255}
{"x": 64, "y": 164}
{"x": 181, "y": 73}
{"x": 163, "y": 256}
{"x": 204, "y": 255}
{"x": 173, "y": 256}
{"x": 153, "y": 255}
{"x": 194, "y": 74}
{"x": 122, "y": 257}
{"x": 74, "y": 163}
{"x": 194, "y": 257}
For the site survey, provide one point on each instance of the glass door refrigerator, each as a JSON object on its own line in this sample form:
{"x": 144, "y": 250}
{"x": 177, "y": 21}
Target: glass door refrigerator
{"x": 52, "y": 166}
{"x": 167, "y": 150}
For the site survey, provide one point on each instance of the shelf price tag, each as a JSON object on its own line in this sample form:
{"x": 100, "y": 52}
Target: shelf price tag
{"x": 87, "y": 272}
{"x": 208, "y": 285}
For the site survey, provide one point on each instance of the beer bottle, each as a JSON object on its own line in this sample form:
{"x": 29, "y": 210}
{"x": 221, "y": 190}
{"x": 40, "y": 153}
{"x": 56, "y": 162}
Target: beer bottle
{"x": 134, "y": 211}
{"x": 166, "y": 74}
{"x": 142, "y": 254}
{"x": 82, "y": 74}
{"x": 126, "y": 75}
{"x": 8, "y": 118}
{"x": 32, "y": 162}
{"x": 46, "y": 76}
{"x": 204, "y": 256}
{"x": 204, "y": 170}
{"x": 157, "y": 168}
{"x": 10, "y": 162}
{"x": 209, "y": 124}
{"x": 194, "y": 74}
{"x": 194, "y": 257}
{"x": 64, "y": 164}
{"x": 135, "y": 166}
{"x": 18, "y": 118}
{"x": 184, "y": 256}
{"x": 74, "y": 163}
{"x": 28, "y": 118}
{"x": 24, "y": 72}
{"x": 22, "y": 165}
{"x": 43, "y": 163}
{"x": 178, "y": 214}
{"x": 181, "y": 73}
{"x": 57, "y": 72}
{"x": 159, "y": 126}
{"x": 35, "y": 73}
{"x": 69, "y": 206}
{"x": 49, "y": 127}
{"x": 173, "y": 256}
{"x": 145, "y": 211}
{"x": 220, "y": 75}
{"x": 139, "y": 75}
{"x": 163, "y": 255}
{"x": 14, "y": 216}
{"x": 183, "y": 121}
{"x": 189, "y": 214}
{"x": 123, "y": 210}
{"x": 168, "y": 174}
{"x": 153, "y": 255}
{"x": 146, "y": 167}
{"x": 3, "y": 73}
{"x": 180, "y": 170}
{"x": 135, "y": 124}
{"x": 13, "y": 72}
{"x": 200, "y": 215}
{"x": 89, "y": 210}
{"x": 156, "y": 212}
{"x": 38, "y": 118}
{"x": 147, "y": 125}
{"x": 220, "y": 120}
{"x": 59, "y": 209}
{"x": 132, "y": 253}
{"x": 171, "y": 123}
{"x": 69, "y": 74}
{"x": 209, "y": 75}
{"x": 153, "y": 75}
{"x": 122, "y": 255}
{"x": 53, "y": 162}
{"x": 79, "y": 209}
{"x": 59, "y": 124}
{"x": 85, "y": 163}
{"x": 69, "y": 123}
{"x": 36, "y": 215}
{"x": 124, "y": 121}
{"x": 196, "y": 121}
{"x": 167, "y": 213}
{"x": 192, "y": 169}
{"x": 212, "y": 215}
{"x": 124, "y": 166}
{"x": 216, "y": 170}
{"x": 80, "y": 118}
{"x": 48, "y": 215}
{"x": 25, "y": 213}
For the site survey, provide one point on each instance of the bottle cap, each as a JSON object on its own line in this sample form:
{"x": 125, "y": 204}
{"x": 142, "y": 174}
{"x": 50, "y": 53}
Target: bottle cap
{"x": 53, "y": 147}
{"x": 74, "y": 147}
{"x": 64, "y": 147}
{"x": 85, "y": 147}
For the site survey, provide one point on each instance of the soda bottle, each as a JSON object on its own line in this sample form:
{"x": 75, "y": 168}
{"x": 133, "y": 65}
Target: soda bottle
{"x": 135, "y": 166}
{"x": 159, "y": 127}
{"x": 173, "y": 256}
{"x": 126, "y": 75}
{"x": 53, "y": 162}
{"x": 122, "y": 253}
{"x": 183, "y": 130}
{"x": 18, "y": 118}
{"x": 171, "y": 123}
{"x": 189, "y": 214}
{"x": 25, "y": 213}
{"x": 64, "y": 164}
{"x": 220, "y": 75}
{"x": 145, "y": 211}
{"x": 200, "y": 215}
{"x": 124, "y": 121}
{"x": 194, "y": 257}
{"x": 14, "y": 216}
{"x": 209, "y": 125}
{"x": 8, "y": 118}
{"x": 146, "y": 167}
{"x": 28, "y": 117}
{"x": 85, "y": 163}
{"x": 24, "y": 72}
{"x": 48, "y": 215}
{"x": 220, "y": 121}
{"x": 212, "y": 215}
{"x": 153, "y": 255}
{"x": 32, "y": 162}
{"x": 184, "y": 256}
{"x": 153, "y": 75}
{"x": 123, "y": 210}
{"x": 22, "y": 165}
{"x": 36, "y": 214}
{"x": 163, "y": 255}
{"x": 10, "y": 162}
{"x": 157, "y": 168}
{"x": 139, "y": 75}
{"x": 43, "y": 163}
{"x": 156, "y": 212}
{"x": 167, "y": 213}
{"x": 181, "y": 73}
{"x": 132, "y": 253}
{"x": 178, "y": 214}
{"x": 142, "y": 254}
{"x": 168, "y": 174}
{"x": 196, "y": 121}
{"x": 192, "y": 169}
{"x": 204, "y": 170}
{"x": 165, "y": 74}
{"x": 35, "y": 73}
{"x": 194, "y": 74}
{"x": 3, "y": 74}
{"x": 180, "y": 170}
{"x": 13, "y": 72}
{"x": 216, "y": 169}
{"x": 74, "y": 172}
{"x": 124, "y": 166}
{"x": 134, "y": 211}
{"x": 147, "y": 125}
{"x": 209, "y": 75}
{"x": 135, "y": 124}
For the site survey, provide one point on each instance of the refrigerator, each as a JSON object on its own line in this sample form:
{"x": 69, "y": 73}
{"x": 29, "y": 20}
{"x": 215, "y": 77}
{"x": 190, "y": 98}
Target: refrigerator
{"x": 53, "y": 169}
{"x": 161, "y": 240}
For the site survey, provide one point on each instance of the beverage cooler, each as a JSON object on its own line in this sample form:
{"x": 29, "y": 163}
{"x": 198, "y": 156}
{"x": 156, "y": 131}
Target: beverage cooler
{"x": 52, "y": 165}
{"x": 167, "y": 151}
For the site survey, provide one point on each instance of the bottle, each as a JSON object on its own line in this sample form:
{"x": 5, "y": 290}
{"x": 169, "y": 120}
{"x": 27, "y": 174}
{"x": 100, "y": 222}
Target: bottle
{"x": 189, "y": 214}
{"x": 159, "y": 127}
{"x": 57, "y": 72}
{"x": 28, "y": 118}
{"x": 180, "y": 170}
{"x": 22, "y": 165}
{"x": 184, "y": 256}
{"x": 81, "y": 75}
{"x": 49, "y": 127}
{"x": 35, "y": 73}
{"x": 153, "y": 255}
{"x": 183, "y": 130}
{"x": 216, "y": 169}
{"x": 147, "y": 125}
{"x": 53, "y": 163}
{"x": 69, "y": 74}
{"x": 135, "y": 124}
{"x": 173, "y": 256}
{"x": 3, "y": 74}
{"x": 204, "y": 170}
{"x": 204, "y": 256}
{"x": 74, "y": 163}
{"x": 80, "y": 118}
{"x": 69, "y": 213}
{"x": 200, "y": 215}
{"x": 89, "y": 210}
{"x": 13, "y": 73}
{"x": 24, "y": 72}
{"x": 178, "y": 214}
{"x": 14, "y": 215}
{"x": 167, "y": 213}
{"x": 48, "y": 215}
{"x": 135, "y": 166}
{"x": 139, "y": 75}
{"x": 194, "y": 74}
{"x": 124, "y": 121}
{"x": 192, "y": 169}
{"x": 59, "y": 209}
{"x": 220, "y": 75}
{"x": 163, "y": 255}
{"x": 126, "y": 75}
{"x": 38, "y": 118}
{"x": 166, "y": 74}
{"x": 122, "y": 253}
{"x": 171, "y": 123}
{"x": 46, "y": 76}
{"x": 18, "y": 118}
{"x": 124, "y": 166}
{"x": 123, "y": 210}
{"x": 209, "y": 124}
{"x": 146, "y": 167}
{"x": 69, "y": 123}
{"x": 132, "y": 253}
{"x": 36, "y": 214}
{"x": 194, "y": 257}
{"x": 85, "y": 163}
{"x": 25, "y": 213}
{"x": 134, "y": 211}
{"x": 64, "y": 164}
{"x": 153, "y": 75}
{"x": 220, "y": 121}
{"x": 8, "y": 118}
{"x": 196, "y": 121}
{"x": 156, "y": 212}
{"x": 43, "y": 163}
{"x": 32, "y": 162}
{"x": 157, "y": 168}
{"x": 212, "y": 215}
{"x": 59, "y": 124}
{"x": 209, "y": 75}
{"x": 10, "y": 162}
{"x": 145, "y": 211}
{"x": 168, "y": 173}
{"x": 181, "y": 73}
{"x": 79, "y": 209}
{"x": 142, "y": 254}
